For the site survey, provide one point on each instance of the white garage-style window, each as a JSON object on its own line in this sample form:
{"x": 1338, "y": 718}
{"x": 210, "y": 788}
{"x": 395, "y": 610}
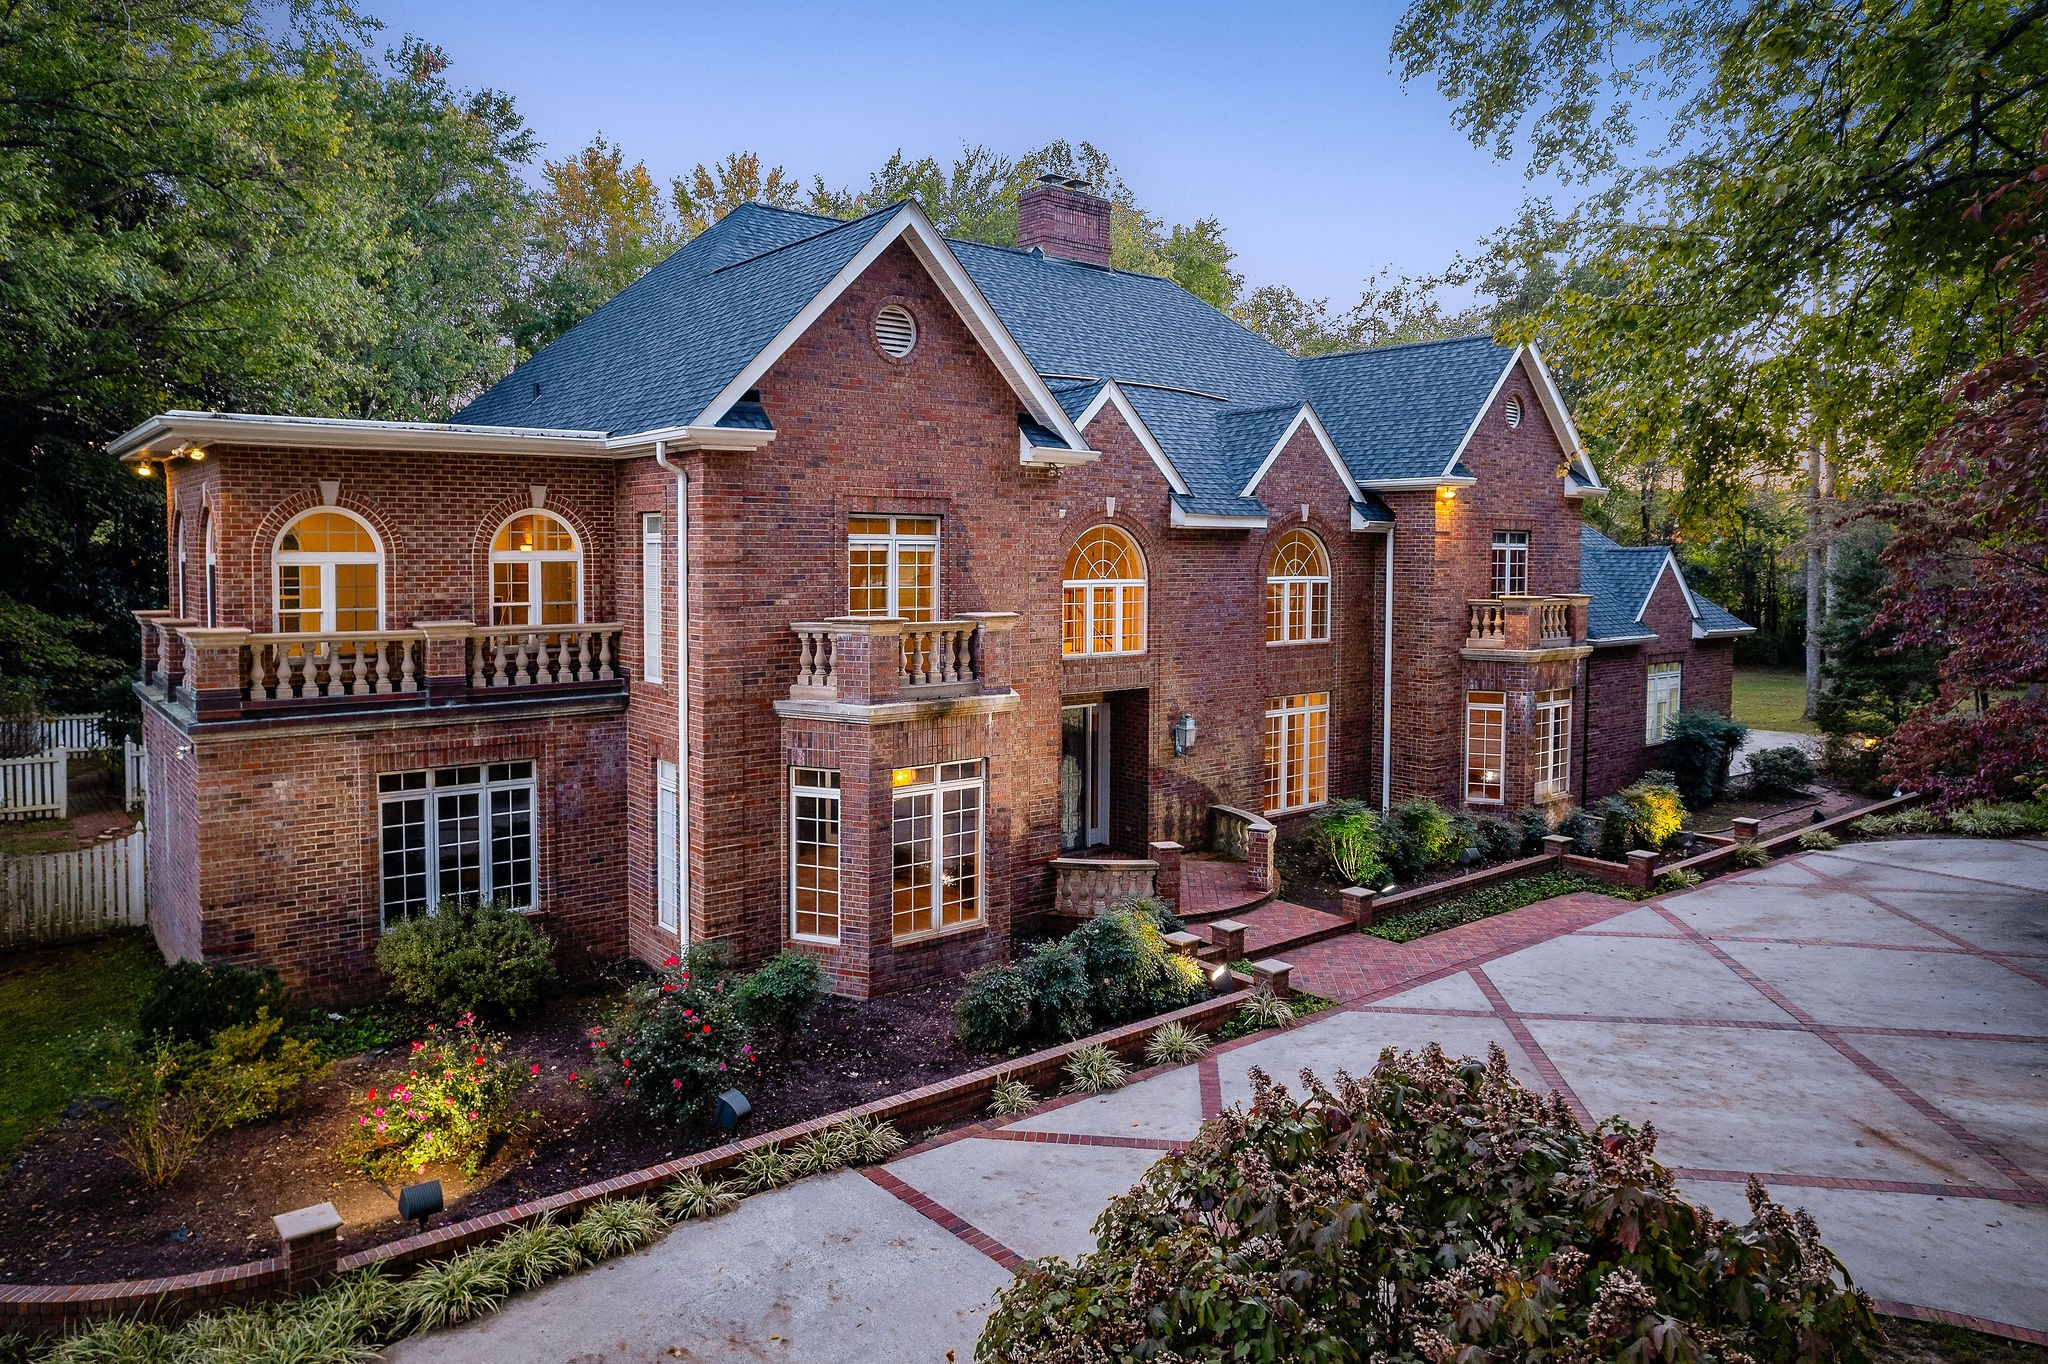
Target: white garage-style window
{"x": 536, "y": 572}
{"x": 1663, "y": 693}
{"x": 1103, "y": 595}
{"x": 328, "y": 570}
{"x": 1298, "y": 591}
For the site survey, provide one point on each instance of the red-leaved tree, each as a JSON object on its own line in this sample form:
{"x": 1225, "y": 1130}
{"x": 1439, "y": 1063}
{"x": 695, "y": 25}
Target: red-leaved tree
{"x": 1969, "y": 561}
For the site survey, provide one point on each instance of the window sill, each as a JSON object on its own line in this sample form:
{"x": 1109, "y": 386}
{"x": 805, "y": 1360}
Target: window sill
{"x": 1066, "y": 657}
{"x": 1294, "y": 643}
{"x": 813, "y": 941}
{"x": 1471, "y": 799}
{"x": 932, "y": 935}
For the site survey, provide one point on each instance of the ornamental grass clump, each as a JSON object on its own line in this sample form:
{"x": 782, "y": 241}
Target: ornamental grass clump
{"x": 693, "y": 1197}
{"x": 1263, "y": 1009}
{"x": 1679, "y": 878}
{"x": 764, "y": 1167}
{"x": 1094, "y": 1069}
{"x": 1434, "y": 1211}
{"x": 675, "y": 1044}
{"x": 1752, "y": 855}
{"x": 1819, "y": 840}
{"x": 1175, "y": 1044}
{"x": 616, "y": 1226}
{"x": 457, "y": 1103}
{"x": 1011, "y": 1098}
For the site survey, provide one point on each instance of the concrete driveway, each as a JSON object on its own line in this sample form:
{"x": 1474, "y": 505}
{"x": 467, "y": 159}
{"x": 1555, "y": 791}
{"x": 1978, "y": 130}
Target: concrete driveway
{"x": 1866, "y": 1030}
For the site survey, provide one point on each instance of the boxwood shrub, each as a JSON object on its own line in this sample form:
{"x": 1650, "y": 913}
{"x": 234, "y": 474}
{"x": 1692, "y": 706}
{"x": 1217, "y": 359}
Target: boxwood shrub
{"x": 1113, "y": 968}
{"x": 1435, "y": 1211}
{"x": 468, "y": 958}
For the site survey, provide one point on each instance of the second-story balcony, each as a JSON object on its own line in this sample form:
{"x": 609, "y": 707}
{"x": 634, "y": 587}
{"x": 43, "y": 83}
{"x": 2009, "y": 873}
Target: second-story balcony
{"x": 225, "y": 674}
{"x": 875, "y": 663}
{"x": 1524, "y": 625}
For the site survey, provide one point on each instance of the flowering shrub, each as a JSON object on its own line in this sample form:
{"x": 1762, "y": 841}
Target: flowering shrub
{"x": 1435, "y": 1211}
{"x": 675, "y": 1044}
{"x": 456, "y": 1102}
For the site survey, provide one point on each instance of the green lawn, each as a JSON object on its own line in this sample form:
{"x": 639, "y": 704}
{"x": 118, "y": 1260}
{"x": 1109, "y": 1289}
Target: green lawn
{"x": 1772, "y": 698}
{"x": 51, "y": 1001}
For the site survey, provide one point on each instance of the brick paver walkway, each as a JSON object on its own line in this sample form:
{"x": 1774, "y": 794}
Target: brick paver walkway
{"x": 1865, "y": 1030}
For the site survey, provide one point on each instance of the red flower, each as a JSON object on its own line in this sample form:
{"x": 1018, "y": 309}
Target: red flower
{"x": 675, "y": 1084}
{"x": 373, "y": 1096}
{"x": 572, "y": 1074}
{"x": 533, "y": 1070}
{"x": 707, "y": 1027}
{"x": 673, "y": 961}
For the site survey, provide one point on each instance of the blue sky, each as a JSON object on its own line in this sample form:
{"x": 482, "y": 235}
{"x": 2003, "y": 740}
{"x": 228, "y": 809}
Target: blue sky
{"x": 1285, "y": 120}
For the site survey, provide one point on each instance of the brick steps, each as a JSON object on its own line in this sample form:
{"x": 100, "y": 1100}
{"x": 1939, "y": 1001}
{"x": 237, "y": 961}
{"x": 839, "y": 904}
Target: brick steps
{"x": 1279, "y": 927}
{"x": 1211, "y": 889}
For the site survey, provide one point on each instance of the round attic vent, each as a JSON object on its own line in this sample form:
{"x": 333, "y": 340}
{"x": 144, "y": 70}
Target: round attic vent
{"x": 895, "y": 331}
{"x": 1514, "y": 409}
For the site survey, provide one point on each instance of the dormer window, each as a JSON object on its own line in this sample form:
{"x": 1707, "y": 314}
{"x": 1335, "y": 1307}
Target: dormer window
{"x": 1510, "y": 563}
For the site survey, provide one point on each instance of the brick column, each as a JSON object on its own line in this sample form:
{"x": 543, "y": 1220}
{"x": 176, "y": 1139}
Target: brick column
{"x": 1555, "y": 846}
{"x": 174, "y": 653}
{"x": 1359, "y": 902}
{"x": 1166, "y": 883}
{"x": 446, "y": 664}
{"x": 1642, "y": 869}
{"x": 867, "y": 659}
{"x": 1227, "y": 936}
{"x": 214, "y": 671}
{"x": 1746, "y": 830}
{"x": 1275, "y": 975}
{"x": 151, "y": 623}
{"x": 1258, "y": 841}
{"x": 312, "y": 1246}
{"x": 992, "y": 652}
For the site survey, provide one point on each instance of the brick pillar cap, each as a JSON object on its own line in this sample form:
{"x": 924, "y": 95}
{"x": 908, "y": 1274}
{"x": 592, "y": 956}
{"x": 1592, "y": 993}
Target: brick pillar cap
{"x": 1271, "y": 966}
{"x": 443, "y": 629}
{"x": 1643, "y": 855}
{"x": 301, "y": 1223}
{"x": 1228, "y": 926}
{"x": 992, "y": 621}
{"x": 1360, "y": 892}
{"x": 1165, "y": 846}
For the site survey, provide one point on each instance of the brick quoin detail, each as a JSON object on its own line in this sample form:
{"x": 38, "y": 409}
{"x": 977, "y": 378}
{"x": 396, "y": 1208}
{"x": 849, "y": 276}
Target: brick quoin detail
{"x": 263, "y": 834}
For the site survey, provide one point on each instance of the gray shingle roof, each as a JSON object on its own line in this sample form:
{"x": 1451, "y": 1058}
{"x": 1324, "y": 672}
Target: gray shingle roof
{"x": 1215, "y": 395}
{"x": 1619, "y": 578}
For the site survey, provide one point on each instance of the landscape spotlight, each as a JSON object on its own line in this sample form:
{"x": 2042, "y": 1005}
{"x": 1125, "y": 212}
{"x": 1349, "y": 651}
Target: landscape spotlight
{"x": 732, "y": 1110}
{"x": 418, "y": 1202}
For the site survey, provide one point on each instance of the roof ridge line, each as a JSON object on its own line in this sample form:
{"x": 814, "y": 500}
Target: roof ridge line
{"x": 1401, "y": 345}
{"x": 842, "y": 223}
{"x": 1168, "y": 388}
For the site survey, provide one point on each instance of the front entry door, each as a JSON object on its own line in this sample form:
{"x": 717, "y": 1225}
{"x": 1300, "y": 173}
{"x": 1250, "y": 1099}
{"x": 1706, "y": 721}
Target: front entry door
{"x": 1084, "y": 776}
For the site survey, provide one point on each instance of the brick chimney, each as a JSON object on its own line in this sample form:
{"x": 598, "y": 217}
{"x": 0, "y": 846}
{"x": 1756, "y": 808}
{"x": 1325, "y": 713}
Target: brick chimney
{"x": 1060, "y": 217}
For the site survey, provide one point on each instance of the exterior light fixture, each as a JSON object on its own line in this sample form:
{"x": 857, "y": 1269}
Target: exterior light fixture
{"x": 1447, "y": 494}
{"x": 195, "y": 454}
{"x": 144, "y": 469}
{"x": 1219, "y": 979}
{"x": 418, "y": 1202}
{"x": 732, "y": 1110}
{"x": 1184, "y": 734}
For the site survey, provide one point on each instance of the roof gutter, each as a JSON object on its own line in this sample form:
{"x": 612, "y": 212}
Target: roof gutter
{"x": 690, "y": 440}
{"x": 1187, "y": 520}
{"x": 200, "y": 428}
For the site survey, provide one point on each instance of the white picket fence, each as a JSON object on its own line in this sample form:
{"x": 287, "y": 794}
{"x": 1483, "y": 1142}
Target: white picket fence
{"x": 79, "y": 734}
{"x": 134, "y": 774}
{"x": 55, "y": 897}
{"x": 36, "y": 787}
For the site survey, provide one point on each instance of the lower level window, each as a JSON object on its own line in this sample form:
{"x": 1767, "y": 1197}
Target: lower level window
{"x": 1553, "y": 758}
{"x": 938, "y": 852}
{"x": 1486, "y": 719}
{"x": 1662, "y": 690}
{"x": 456, "y": 833}
{"x": 1297, "y": 751}
{"x": 814, "y": 854}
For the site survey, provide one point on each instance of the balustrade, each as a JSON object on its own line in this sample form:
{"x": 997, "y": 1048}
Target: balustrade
{"x": 323, "y": 667}
{"x": 867, "y": 660}
{"x": 1522, "y": 624}
{"x": 1084, "y": 887}
{"x": 501, "y": 659}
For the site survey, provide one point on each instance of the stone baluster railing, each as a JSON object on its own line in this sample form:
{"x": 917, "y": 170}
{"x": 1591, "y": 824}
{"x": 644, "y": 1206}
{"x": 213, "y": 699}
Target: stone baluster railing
{"x": 1247, "y": 837}
{"x": 940, "y": 654}
{"x": 1554, "y": 620}
{"x": 1084, "y": 887}
{"x": 502, "y": 659}
{"x": 1485, "y": 622}
{"x": 879, "y": 660}
{"x": 332, "y": 666}
{"x": 816, "y": 662}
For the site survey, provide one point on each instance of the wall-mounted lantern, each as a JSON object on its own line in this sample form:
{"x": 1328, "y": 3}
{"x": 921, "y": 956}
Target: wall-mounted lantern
{"x": 1184, "y": 734}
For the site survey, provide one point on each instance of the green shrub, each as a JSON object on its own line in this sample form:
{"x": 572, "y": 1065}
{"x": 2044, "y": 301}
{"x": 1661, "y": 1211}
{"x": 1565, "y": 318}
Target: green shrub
{"x": 468, "y": 959}
{"x": 1646, "y": 814}
{"x": 1484, "y": 903}
{"x": 353, "y": 1031}
{"x": 457, "y": 1102}
{"x": 1783, "y": 770}
{"x": 194, "y": 1000}
{"x": 1855, "y": 763}
{"x": 1699, "y": 746}
{"x": 1520, "y": 1236}
{"x": 1418, "y": 838}
{"x": 1819, "y": 840}
{"x": 1348, "y": 832}
{"x": 1534, "y": 823}
{"x": 1115, "y": 967}
{"x": 1093, "y": 1069}
{"x": 675, "y": 1044}
{"x": 1497, "y": 839}
{"x": 253, "y": 1070}
{"x": 776, "y": 1001}
{"x": 1577, "y": 825}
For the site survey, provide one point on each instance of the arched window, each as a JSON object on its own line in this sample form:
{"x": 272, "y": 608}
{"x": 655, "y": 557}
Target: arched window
{"x": 1103, "y": 609}
{"x": 1298, "y": 591}
{"x": 329, "y": 576}
{"x": 536, "y": 572}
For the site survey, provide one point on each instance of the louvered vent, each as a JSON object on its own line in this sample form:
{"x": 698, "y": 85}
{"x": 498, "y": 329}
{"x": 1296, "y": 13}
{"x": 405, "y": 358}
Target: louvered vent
{"x": 895, "y": 331}
{"x": 1514, "y": 409}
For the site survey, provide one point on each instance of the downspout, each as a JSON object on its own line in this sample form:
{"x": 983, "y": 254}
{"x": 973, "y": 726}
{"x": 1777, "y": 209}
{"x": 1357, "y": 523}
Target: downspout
{"x": 1387, "y": 681}
{"x": 682, "y": 694}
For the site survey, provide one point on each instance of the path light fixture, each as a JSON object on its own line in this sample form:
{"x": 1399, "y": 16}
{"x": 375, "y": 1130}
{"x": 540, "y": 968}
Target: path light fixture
{"x": 732, "y": 1110}
{"x": 1184, "y": 734}
{"x": 418, "y": 1202}
{"x": 1219, "y": 978}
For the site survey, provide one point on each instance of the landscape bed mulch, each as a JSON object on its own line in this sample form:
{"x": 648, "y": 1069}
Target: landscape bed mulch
{"x": 72, "y": 1212}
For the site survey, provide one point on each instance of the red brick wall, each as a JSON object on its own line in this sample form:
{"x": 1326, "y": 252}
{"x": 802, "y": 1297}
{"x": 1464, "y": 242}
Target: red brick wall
{"x": 171, "y": 839}
{"x": 1616, "y": 754}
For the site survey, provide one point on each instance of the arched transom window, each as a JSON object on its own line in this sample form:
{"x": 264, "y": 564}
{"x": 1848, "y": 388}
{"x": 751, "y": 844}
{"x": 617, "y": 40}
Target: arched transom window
{"x": 536, "y": 572}
{"x": 329, "y": 576}
{"x": 1298, "y": 591}
{"x": 1103, "y": 609}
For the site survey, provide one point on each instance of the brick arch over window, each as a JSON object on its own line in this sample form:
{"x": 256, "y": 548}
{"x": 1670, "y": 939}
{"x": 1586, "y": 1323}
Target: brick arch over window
{"x": 1103, "y": 594}
{"x": 260, "y": 547}
{"x": 1298, "y": 588}
{"x": 328, "y": 574}
{"x": 498, "y": 516}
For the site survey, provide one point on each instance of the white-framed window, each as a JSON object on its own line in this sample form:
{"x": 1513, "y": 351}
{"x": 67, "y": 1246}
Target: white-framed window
{"x": 668, "y": 863}
{"x": 536, "y": 572}
{"x": 206, "y": 541}
{"x": 178, "y": 544}
{"x": 938, "y": 847}
{"x": 892, "y": 566}
{"x": 456, "y": 833}
{"x": 1102, "y": 596}
{"x": 328, "y": 570}
{"x": 1486, "y": 728}
{"x": 1663, "y": 691}
{"x": 1297, "y": 751}
{"x": 1553, "y": 752}
{"x": 1298, "y": 591}
{"x": 1510, "y": 563}
{"x": 650, "y": 596}
{"x": 814, "y": 854}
